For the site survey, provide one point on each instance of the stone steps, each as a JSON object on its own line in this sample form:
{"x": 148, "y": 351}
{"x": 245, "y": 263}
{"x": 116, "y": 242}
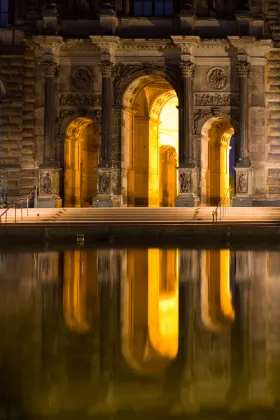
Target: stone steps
{"x": 199, "y": 215}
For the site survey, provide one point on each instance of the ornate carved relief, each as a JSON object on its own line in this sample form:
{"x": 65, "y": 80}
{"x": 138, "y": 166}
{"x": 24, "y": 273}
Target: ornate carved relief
{"x": 218, "y": 99}
{"x": 82, "y": 78}
{"x": 50, "y": 68}
{"x": 243, "y": 68}
{"x": 104, "y": 183}
{"x": 185, "y": 180}
{"x": 107, "y": 68}
{"x": 79, "y": 99}
{"x": 187, "y": 68}
{"x": 217, "y": 78}
{"x": 46, "y": 183}
{"x": 242, "y": 182}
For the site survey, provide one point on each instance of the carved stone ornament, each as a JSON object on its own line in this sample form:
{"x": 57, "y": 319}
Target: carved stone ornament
{"x": 50, "y": 68}
{"x": 242, "y": 183}
{"x": 104, "y": 183}
{"x": 243, "y": 68}
{"x": 106, "y": 68}
{"x": 185, "y": 180}
{"x": 206, "y": 99}
{"x": 79, "y": 99}
{"x": 46, "y": 183}
{"x": 217, "y": 78}
{"x": 187, "y": 68}
{"x": 82, "y": 78}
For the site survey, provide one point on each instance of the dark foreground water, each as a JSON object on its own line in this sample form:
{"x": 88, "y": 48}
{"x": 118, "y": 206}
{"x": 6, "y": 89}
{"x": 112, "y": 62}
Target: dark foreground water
{"x": 140, "y": 333}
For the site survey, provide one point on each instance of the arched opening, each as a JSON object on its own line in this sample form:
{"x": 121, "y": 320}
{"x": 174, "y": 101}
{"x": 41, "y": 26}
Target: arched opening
{"x": 217, "y": 290}
{"x": 81, "y": 157}
{"x": 150, "y": 310}
{"x": 150, "y": 142}
{"x": 218, "y": 161}
{"x": 80, "y": 290}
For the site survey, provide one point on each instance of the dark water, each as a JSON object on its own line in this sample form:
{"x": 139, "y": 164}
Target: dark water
{"x": 135, "y": 333}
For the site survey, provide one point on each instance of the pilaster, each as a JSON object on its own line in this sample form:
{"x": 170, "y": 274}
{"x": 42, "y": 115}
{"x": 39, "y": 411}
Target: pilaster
{"x": 108, "y": 171}
{"x": 243, "y": 186}
{"x": 49, "y": 170}
{"x": 188, "y": 174}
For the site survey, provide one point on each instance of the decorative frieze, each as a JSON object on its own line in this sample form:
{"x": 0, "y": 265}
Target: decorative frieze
{"x": 79, "y": 99}
{"x": 216, "y": 99}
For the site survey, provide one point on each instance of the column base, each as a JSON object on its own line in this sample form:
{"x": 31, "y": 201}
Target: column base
{"x": 186, "y": 200}
{"x": 46, "y": 201}
{"x": 107, "y": 200}
{"x": 242, "y": 201}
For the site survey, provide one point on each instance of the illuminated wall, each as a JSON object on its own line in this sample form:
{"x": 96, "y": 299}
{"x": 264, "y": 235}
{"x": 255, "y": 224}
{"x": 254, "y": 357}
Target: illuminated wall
{"x": 150, "y": 310}
{"x": 81, "y": 158}
{"x": 80, "y": 290}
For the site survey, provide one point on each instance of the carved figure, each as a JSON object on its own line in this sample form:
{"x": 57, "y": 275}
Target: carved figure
{"x": 185, "y": 182}
{"x": 4, "y": 191}
{"x": 82, "y": 78}
{"x": 46, "y": 185}
{"x": 242, "y": 186}
{"x": 217, "y": 78}
{"x": 104, "y": 183}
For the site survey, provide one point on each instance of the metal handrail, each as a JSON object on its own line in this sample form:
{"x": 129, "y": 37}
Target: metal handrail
{"x": 221, "y": 207}
{"x": 20, "y": 200}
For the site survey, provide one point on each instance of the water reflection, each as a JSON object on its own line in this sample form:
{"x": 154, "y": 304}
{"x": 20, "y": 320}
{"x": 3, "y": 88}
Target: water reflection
{"x": 103, "y": 331}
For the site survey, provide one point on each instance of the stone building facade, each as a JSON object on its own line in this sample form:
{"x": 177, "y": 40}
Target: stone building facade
{"x": 87, "y": 90}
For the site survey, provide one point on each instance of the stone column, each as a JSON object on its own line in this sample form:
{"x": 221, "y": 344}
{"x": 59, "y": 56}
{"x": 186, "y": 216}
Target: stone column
{"x": 243, "y": 184}
{"x": 187, "y": 168}
{"x": 108, "y": 170}
{"x": 49, "y": 168}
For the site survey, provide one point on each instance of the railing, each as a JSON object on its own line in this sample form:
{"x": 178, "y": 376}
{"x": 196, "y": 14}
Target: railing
{"x": 221, "y": 207}
{"x": 18, "y": 203}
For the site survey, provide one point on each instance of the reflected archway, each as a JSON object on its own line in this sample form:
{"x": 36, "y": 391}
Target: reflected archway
{"x": 80, "y": 290}
{"x": 150, "y": 310}
{"x": 217, "y": 290}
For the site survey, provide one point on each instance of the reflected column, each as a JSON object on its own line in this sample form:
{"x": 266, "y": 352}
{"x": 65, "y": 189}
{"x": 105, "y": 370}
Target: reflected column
{"x": 108, "y": 273}
{"x": 188, "y": 277}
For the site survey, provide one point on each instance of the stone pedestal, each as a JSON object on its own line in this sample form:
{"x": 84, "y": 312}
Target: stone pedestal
{"x": 187, "y": 196}
{"x": 107, "y": 187}
{"x": 49, "y": 187}
{"x": 243, "y": 187}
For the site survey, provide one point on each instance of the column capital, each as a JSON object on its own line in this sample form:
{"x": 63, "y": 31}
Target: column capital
{"x": 50, "y": 67}
{"x": 243, "y": 68}
{"x": 187, "y": 68}
{"x": 107, "y": 68}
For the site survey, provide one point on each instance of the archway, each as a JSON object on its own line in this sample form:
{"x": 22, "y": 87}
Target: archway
{"x": 150, "y": 310}
{"x": 150, "y": 142}
{"x": 217, "y": 162}
{"x": 217, "y": 290}
{"x": 81, "y": 157}
{"x": 80, "y": 290}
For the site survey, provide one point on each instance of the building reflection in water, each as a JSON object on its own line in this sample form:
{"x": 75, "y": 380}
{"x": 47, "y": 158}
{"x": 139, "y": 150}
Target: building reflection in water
{"x": 106, "y": 330}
